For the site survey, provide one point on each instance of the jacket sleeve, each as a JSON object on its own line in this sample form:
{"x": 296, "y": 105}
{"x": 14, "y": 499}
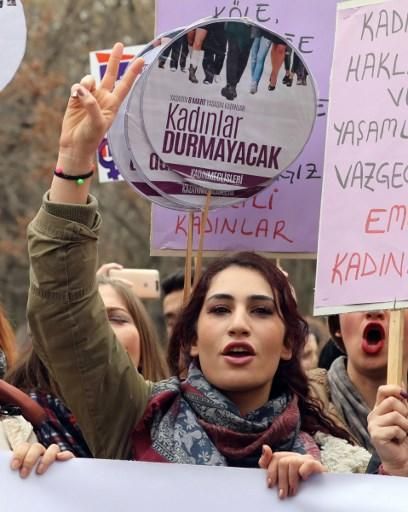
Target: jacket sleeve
{"x": 71, "y": 332}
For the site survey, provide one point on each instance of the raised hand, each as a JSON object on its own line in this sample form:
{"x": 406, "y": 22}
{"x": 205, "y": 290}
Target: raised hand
{"x": 91, "y": 111}
{"x": 89, "y": 114}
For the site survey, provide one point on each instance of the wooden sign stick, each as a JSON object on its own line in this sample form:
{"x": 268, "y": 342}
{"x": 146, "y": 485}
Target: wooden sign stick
{"x": 189, "y": 261}
{"x": 203, "y": 223}
{"x": 396, "y": 370}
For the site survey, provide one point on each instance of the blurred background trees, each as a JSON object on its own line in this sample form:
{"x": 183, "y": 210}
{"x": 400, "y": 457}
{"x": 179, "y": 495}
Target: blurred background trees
{"x": 60, "y": 36}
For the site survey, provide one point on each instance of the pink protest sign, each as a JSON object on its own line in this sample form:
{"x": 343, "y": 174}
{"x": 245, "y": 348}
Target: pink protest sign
{"x": 362, "y": 258}
{"x": 284, "y": 217}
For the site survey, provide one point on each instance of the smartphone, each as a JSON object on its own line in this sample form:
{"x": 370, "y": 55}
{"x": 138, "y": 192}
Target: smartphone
{"x": 145, "y": 281}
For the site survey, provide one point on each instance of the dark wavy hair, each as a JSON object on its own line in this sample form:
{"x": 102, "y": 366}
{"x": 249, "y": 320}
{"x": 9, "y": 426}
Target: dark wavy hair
{"x": 7, "y": 340}
{"x": 289, "y": 376}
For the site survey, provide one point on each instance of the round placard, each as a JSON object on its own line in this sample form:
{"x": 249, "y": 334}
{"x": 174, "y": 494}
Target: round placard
{"x": 231, "y": 120}
{"x": 13, "y": 35}
{"x": 168, "y": 183}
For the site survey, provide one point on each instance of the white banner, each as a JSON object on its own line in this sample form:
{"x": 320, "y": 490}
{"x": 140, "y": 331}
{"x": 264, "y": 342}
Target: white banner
{"x": 103, "y": 485}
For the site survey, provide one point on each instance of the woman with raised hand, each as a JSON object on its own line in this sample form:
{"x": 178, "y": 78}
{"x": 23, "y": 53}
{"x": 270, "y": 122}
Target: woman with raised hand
{"x": 348, "y": 390}
{"x": 245, "y": 399}
{"x": 134, "y": 331}
{"x": 133, "y": 327}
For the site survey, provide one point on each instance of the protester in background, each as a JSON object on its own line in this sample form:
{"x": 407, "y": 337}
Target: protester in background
{"x": 329, "y": 353}
{"x": 19, "y": 417}
{"x": 388, "y": 428}
{"x": 172, "y": 298}
{"x": 310, "y": 356}
{"x": 243, "y": 344}
{"x": 59, "y": 426}
{"x": 318, "y": 333}
{"x": 8, "y": 351}
{"x": 17, "y": 413}
{"x": 134, "y": 330}
{"x": 133, "y": 327}
{"x": 348, "y": 390}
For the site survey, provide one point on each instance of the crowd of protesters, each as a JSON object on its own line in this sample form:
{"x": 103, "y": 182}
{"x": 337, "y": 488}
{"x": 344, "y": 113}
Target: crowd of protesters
{"x": 240, "y": 386}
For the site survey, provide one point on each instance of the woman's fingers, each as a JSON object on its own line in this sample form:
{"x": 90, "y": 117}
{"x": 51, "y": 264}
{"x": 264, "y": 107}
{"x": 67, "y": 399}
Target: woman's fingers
{"x": 50, "y": 455}
{"x": 18, "y": 455}
{"x": 26, "y": 457}
{"x": 389, "y": 404}
{"x": 266, "y": 457}
{"x": 293, "y": 478}
{"x": 387, "y": 434}
{"x": 309, "y": 468}
{"x": 65, "y": 455}
{"x": 283, "y": 478}
{"x": 88, "y": 81}
{"x": 124, "y": 85}
{"x": 91, "y": 105}
{"x": 111, "y": 73}
{"x": 388, "y": 421}
{"x": 91, "y": 108}
{"x": 272, "y": 474}
{"x": 286, "y": 468}
{"x": 104, "y": 269}
{"x": 387, "y": 391}
{"x": 393, "y": 418}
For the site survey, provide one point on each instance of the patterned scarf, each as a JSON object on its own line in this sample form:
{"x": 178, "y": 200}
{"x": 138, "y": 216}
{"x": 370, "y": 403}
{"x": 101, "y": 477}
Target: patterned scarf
{"x": 191, "y": 422}
{"x": 348, "y": 401}
{"x": 3, "y": 364}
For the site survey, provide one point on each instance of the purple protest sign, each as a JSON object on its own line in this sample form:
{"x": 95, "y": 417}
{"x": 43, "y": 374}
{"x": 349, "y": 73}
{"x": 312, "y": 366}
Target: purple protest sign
{"x": 284, "y": 217}
{"x": 362, "y": 259}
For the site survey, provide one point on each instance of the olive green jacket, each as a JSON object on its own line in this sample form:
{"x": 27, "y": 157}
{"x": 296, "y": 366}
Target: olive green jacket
{"x": 71, "y": 332}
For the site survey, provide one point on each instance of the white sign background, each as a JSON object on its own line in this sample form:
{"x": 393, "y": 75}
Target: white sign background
{"x": 13, "y": 34}
{"x": 84, "y": 485}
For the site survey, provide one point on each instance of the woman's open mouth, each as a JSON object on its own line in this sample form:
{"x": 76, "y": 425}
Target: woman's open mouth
{"x": 373, "y": 338}
{"x": 238, "y": 353}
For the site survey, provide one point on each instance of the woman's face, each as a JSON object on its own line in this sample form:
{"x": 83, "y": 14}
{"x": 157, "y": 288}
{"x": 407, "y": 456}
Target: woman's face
{"x": 365, "y": 337}
{"x": 310, "y": 355}
{"x": 121, "y": 322}
{"x": 240, "y": 337}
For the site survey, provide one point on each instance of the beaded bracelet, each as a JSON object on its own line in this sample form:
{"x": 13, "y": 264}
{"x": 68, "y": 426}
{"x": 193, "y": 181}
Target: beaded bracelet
{"x": 80, "y": 179}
